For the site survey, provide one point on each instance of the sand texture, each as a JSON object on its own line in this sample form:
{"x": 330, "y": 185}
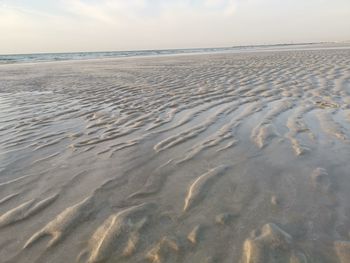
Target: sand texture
{"x": 227, "y": 157}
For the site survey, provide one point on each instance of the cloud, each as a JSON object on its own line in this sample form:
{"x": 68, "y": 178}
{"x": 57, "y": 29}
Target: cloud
{"x": 117, "y": 11}
{"x": 90, "y": 25}
{"x": 104, "y": 11}
{"x": 227, "y": 7}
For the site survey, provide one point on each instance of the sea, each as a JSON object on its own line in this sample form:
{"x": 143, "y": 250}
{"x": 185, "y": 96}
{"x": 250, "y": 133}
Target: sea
{"x": 49, "y": 57}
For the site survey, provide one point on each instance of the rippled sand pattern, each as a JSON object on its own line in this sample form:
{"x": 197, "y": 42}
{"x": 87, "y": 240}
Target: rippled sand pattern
{"x": 194, "y": 158}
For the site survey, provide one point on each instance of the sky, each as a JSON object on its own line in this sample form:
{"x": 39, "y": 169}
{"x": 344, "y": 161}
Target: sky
{"x": 34, "y": 26}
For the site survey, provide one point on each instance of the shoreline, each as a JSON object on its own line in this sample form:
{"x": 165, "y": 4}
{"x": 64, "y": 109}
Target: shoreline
{"x": 226, "y": 50}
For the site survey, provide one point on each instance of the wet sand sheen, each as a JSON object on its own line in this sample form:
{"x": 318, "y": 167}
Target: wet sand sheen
{"x": 192, "y": 158}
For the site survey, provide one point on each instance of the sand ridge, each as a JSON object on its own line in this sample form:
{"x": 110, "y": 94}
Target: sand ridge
{"x": 203, "y": 158}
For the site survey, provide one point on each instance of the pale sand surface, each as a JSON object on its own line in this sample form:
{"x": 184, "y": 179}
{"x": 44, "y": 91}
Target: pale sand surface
{"x": 202, "y": 158}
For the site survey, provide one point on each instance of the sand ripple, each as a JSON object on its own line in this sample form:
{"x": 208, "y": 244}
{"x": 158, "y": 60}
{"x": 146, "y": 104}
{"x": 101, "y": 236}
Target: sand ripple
{"x": 192, "y": 158}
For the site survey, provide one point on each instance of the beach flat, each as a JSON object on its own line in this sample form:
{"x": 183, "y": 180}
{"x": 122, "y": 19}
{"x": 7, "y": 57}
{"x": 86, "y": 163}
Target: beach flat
{"x": 223, "y": 157}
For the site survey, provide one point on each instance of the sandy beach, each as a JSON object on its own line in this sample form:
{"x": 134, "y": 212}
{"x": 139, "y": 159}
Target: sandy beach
{"x": 229, "y": 157}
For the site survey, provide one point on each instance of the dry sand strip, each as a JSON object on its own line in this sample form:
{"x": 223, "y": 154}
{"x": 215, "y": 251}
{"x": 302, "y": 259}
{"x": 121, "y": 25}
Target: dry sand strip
{"x": 230, "y": 157}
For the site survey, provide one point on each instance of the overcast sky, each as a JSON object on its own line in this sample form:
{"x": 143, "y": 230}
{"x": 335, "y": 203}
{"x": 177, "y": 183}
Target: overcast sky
{"x": 28, "y": 26}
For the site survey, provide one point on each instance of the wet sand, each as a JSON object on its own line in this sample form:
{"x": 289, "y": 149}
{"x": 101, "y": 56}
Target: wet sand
{"x": 191, "y": 158}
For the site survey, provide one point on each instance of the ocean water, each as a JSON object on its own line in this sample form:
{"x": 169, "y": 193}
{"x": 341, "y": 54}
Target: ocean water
{"x": 47, "y": 57}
